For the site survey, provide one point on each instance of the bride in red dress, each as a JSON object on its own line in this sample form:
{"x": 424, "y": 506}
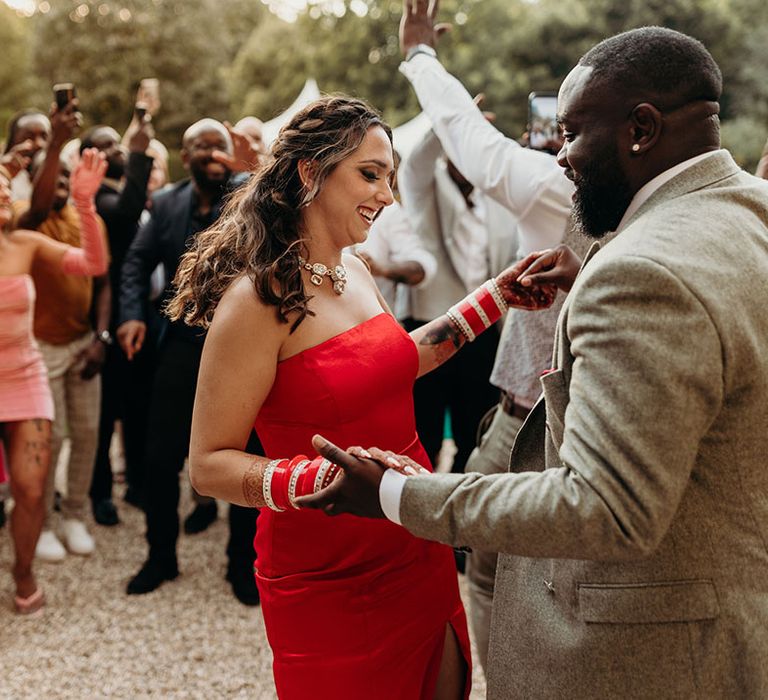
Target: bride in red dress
{"x": 300, "y": 342}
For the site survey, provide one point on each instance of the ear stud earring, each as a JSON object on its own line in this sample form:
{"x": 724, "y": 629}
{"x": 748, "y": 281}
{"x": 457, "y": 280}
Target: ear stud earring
{"x": 635, "y": 147}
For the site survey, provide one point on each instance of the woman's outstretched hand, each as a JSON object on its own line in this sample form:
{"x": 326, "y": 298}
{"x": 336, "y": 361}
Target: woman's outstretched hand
{"x": 532, "y": 296}
{"x": 558, "y": 266}
{"x": 87, "y": 175}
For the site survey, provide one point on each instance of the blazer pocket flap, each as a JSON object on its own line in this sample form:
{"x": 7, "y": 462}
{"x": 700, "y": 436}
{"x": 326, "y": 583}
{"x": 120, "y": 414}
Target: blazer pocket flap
{"x": 556, "y": 401}
{"x": 648, "y": 603}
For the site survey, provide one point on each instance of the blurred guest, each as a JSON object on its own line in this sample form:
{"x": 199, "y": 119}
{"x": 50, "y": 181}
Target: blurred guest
{"x": 120, "y": 202}
{"x": 72, "y": 352}
{"x": 26, "y": 403}
{"x": 472, "y": 238}
{"x": 253, "y": 128}
{"x": 177, "y": 214}
{"x": 28, "y": 133}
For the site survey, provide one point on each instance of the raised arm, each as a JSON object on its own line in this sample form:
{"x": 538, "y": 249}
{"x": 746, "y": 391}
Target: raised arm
{"x": 64, "y": 122}
{"x": 236, "y": 373}
{"x": 91, "y": 258}
{"x": 440, "y": 339}
{"x": 127, "y": 205}
{"x": 512, "y": 175}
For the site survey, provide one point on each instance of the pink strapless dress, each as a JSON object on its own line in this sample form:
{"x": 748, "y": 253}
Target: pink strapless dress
{"x": 353, "y": 608}
{"x": 24, "y": 389}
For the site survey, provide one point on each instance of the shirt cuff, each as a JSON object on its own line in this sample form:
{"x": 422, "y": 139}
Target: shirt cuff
{"x": 410, "y": 69}
{"x": 390, "y": 493}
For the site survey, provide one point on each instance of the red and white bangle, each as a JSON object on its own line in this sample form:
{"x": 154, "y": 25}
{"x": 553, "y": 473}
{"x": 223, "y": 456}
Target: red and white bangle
{"x": 286, "y": 480}
{"x": 266, "y": 486}
{"x": 479, "y": 310}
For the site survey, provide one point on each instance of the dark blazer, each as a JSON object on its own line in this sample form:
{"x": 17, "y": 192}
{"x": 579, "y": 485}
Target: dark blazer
{"x": 120, "y": 209}
{"x": 163, "y": 239}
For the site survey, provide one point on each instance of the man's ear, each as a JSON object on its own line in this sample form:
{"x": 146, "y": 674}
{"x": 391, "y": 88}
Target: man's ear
{"x": 646, "y": 125}
{"x": 307, "y": 172}
{"x": 184, "y": 153}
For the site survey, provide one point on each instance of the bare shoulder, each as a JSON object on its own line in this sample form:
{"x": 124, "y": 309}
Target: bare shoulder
{"x": 24, "y": 238}
{"x": 243, "y": 314}
{"x": 357, "y": 268}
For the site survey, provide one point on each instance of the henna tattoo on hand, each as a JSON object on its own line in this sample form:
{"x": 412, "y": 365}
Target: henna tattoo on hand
{"x": 445, "y": 338}
{"x": 252, "y": 486}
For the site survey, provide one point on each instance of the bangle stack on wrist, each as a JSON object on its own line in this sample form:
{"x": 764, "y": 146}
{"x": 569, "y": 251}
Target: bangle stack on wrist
{"x": 285, "y": 480}
{"x": 478, "y": 311}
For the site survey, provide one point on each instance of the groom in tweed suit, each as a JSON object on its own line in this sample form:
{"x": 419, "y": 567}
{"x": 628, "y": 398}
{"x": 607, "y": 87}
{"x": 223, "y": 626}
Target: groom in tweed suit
{"x": 633, "y": 527}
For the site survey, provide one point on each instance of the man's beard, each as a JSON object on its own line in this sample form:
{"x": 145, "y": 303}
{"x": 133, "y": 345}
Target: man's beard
{"x": 214, "y": 186}
{"x": 602, "y": 196}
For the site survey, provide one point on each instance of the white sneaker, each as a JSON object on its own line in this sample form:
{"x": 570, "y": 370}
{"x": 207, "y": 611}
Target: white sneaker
{"x": 49, "y": 548}
{"x": 76, "y": 537}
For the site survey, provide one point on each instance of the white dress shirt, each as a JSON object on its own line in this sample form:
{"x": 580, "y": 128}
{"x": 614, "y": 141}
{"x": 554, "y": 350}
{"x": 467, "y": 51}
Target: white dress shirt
{"x": 529, "y": 183}
{"x": 469, "y": 233}
{"x": 393, "y": 240}
{"x": 393, "y": 482}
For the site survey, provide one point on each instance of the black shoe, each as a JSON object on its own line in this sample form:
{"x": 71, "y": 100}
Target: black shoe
{"x": 201, "y": 518}
{"x": 105, "y": 513}
{"x": 243, "y": 583}
{"x": 134, "y": 497}
{"x": 151, "y": 576}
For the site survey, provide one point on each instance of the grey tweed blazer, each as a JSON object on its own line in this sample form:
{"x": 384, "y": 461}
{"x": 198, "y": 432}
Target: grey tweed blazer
{"x": 634, "y": 525}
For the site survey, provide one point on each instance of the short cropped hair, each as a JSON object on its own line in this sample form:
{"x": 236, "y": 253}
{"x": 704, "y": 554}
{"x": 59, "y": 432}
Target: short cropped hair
{"x": 671, "y": 67}
{"x": 13, "y": 125}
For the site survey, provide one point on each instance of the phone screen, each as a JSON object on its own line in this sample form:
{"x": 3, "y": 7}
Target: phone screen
{"x": 542, "y": 119}
{"x": 63, "y": 93}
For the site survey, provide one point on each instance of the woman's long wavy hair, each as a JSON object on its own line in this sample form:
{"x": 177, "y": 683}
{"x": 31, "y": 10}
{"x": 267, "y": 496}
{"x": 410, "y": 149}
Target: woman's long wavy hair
{"x": 259, "y": 232}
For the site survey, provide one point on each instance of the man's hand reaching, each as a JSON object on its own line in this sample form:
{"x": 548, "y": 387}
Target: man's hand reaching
{"x": 356, "y": 491}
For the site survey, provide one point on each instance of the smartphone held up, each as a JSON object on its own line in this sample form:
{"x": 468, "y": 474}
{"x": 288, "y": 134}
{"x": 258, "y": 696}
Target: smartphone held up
{"x": 543, "y": 129}
{"x": 63, "y": 94}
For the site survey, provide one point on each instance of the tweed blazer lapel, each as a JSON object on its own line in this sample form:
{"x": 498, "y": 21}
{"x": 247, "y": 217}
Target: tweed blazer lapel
{"x": 702, "y": 174}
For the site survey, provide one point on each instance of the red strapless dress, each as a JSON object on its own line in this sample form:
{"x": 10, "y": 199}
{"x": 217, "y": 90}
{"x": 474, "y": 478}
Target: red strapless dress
{"x": 353, "y": 608}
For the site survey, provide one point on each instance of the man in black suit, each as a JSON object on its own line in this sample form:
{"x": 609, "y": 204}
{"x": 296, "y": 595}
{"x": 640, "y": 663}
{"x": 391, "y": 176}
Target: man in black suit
{"x": 178, "y": 214}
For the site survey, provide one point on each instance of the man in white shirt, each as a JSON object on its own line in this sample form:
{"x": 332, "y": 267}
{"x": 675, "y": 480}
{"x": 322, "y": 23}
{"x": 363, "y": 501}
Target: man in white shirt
{"x": 531, "y": 186}
{"x": 633, "y": 525}
{"x": 472, "y": 238}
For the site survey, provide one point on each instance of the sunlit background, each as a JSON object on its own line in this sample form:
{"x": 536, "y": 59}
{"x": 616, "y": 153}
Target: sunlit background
{"x": 231, "y": 58}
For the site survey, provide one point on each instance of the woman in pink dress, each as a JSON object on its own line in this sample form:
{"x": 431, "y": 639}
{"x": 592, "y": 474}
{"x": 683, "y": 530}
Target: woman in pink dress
{"x": 300, "y": 341}
{"x": 26, "y": 404}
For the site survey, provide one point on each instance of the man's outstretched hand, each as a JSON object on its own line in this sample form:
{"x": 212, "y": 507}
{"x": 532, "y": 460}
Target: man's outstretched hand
{"x": 356, "y": 491}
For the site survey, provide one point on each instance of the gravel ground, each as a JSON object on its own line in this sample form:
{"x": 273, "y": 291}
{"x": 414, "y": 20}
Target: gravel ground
{"x": 189, "y": 639}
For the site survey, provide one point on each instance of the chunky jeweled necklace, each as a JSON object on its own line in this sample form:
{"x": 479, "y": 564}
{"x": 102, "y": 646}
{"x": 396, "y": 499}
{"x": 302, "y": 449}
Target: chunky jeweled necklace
{"x": 319, "y": 272}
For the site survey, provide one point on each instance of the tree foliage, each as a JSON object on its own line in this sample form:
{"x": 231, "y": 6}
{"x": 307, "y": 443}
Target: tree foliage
{"x": 232, "y": 58}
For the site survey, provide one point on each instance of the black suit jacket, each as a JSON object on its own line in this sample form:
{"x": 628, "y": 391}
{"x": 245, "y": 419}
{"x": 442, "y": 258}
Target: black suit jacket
{"x": 163, "y": 239}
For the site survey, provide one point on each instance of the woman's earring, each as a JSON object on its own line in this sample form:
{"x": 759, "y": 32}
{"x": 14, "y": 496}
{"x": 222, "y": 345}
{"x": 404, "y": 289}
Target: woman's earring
{"x": 635, "y": 147}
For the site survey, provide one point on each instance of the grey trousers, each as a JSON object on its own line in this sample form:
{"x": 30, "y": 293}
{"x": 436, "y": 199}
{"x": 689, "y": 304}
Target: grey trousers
{"x": 76, "y": 404}
{"x": 491, "y": 456}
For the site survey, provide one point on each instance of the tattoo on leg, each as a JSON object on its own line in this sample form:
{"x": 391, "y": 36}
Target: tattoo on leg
{"x": 444, "y": 337}
{"x": 252, "y": 486}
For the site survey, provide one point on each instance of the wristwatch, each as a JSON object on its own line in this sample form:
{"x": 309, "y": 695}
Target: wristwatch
{"x": 420, "y": 48}
{"x": 104, "y": 337}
